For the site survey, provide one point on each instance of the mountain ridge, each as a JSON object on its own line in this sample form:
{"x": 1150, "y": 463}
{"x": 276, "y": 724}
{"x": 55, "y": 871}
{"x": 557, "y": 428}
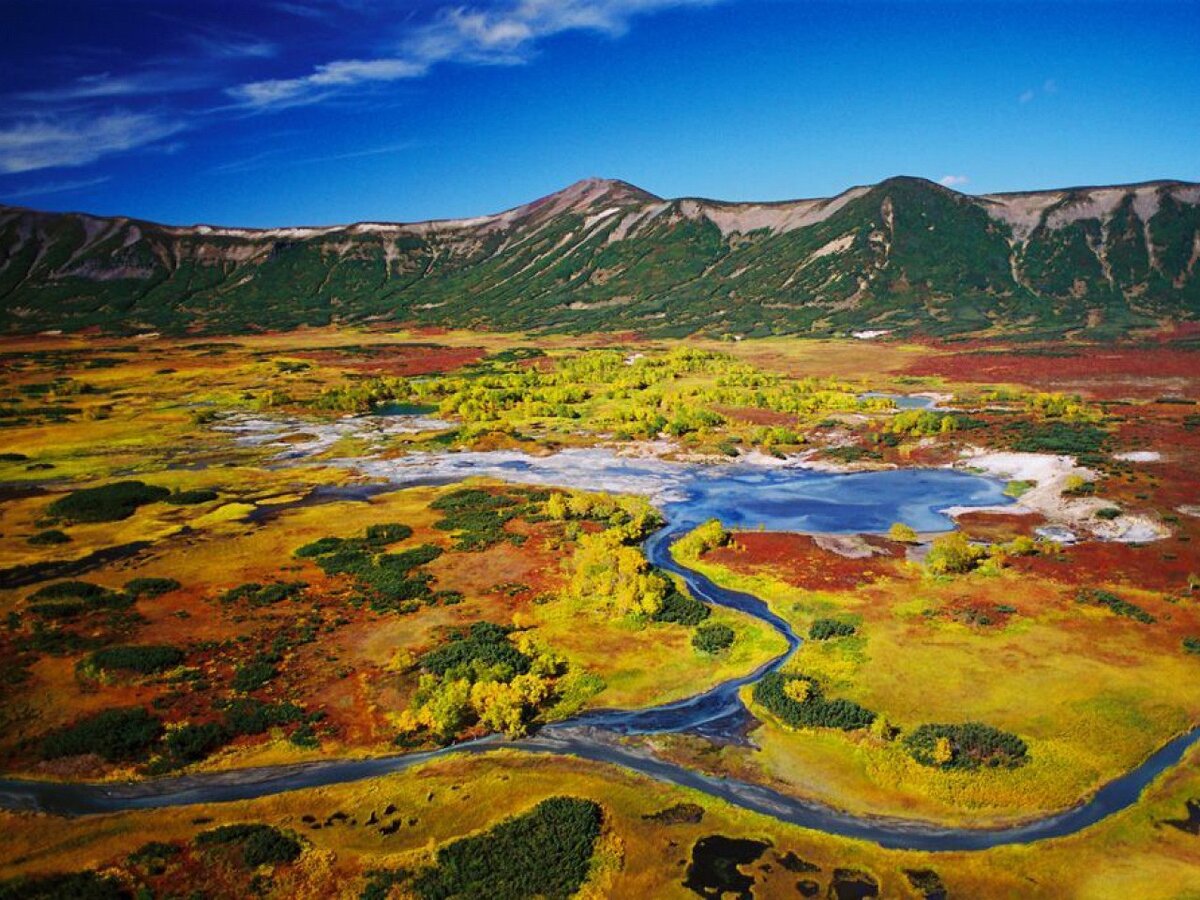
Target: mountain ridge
{"x": 905, "y": 255}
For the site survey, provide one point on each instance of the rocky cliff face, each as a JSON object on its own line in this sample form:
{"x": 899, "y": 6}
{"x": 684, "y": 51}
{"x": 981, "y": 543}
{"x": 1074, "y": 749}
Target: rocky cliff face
{"x": 906, "y": 255}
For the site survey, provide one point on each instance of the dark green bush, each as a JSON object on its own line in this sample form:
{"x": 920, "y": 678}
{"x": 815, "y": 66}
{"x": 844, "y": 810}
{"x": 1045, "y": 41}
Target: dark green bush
{"x": 1081, "y": 440}
{"x": 824, "y": 629}
{"x": 544, "y": 853}
{"x": 478, "y": 517}
{"x": 259, "y": 844}
{"x": 144, "y": 659}
{"x": 69, "y": 599}
{"x": 116, "y": 735}
{"x": 1108, "y": 513}
{"x": 1116, "y": 604}
{"x": 972, "y": 745}
{"x": 483, "y": 643}
{"x": 681, "y": 608}
{"x": 193, "y": 742}
{"x": 1191, "y": 645}
{"x": 151, "y": 587}
{"x": 109, "y": 503}
{"x": 385, "y": 580}
{"x": 71, "y": 886}
{"x": 49, "y": 537}
{"x": 713, "y": 638}
{"x": 253, "y": 675}
{"x": 258, "y": 595}
{"x": 190, "y": 498}
{"x": 252, "y": 716}
{"x": 815, "y": 711}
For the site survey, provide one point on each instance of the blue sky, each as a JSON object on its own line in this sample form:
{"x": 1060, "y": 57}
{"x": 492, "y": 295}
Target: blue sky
{"x": 322, "y": 111}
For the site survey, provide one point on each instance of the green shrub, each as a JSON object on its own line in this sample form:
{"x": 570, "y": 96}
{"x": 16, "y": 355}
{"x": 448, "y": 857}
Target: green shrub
{"x": 1077, "y": 439}
{"x": 966, "y": 746}
{"x": 151, "y": 587}
{"x": 681, "y": 608}
{"x": 252, "y": 716}
{"x": 144, "y": 659}
{"x": 713, "y": 638}
{"x": 484, "y": 644}
{"x": 259, "y": 595}
{"x": 814, "y": 711}
{"x": 478, "y": 517}
{"x": 259, "y": 844}
{"x": 253, "y": 675}
{"x": 1108, "y": 513}
{"x": 116, "y": 735}
{"x": 193, "y": 742}
{"x": 109, "y": 503}
{"x": 71, "y": 886}
{"x": 1191, "y": 645}
{"x": 544, "y": 853}
{"x": 70, "y": 599}
{"x": 1116, "y": 604}
{"x": 824, "y": 629}
{"x": 386, "y": 580}
{"x": 190, "y": 498}
{"x": 49, "y": 538}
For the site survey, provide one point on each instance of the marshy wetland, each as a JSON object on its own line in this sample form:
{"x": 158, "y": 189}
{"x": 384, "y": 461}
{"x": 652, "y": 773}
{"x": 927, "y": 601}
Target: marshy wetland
{"x": 292, "y": 581}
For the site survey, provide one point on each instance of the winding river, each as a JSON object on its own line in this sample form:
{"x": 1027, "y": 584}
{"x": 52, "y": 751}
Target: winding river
{"x": 765, "y": 493}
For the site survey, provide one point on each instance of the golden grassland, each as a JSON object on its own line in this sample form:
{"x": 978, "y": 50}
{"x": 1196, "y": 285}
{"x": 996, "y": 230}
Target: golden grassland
{"x": 1131, "y": 854}
{"x": 1090, "y": 692}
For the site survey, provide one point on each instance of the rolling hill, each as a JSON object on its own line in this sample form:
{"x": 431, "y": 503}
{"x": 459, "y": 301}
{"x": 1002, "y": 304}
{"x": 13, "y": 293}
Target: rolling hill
{"x": 906, "y": 256}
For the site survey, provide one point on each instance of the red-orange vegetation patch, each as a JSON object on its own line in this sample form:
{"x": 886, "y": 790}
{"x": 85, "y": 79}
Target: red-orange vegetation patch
{"x": 756, "y": 416}
{"x": 1158, "y": 566}
{"x": 500, "y": 569}
{"x": 797, "y": 560}
{"x": 977, "y": 612}
{"x": 1146, "y": 372}
{"x": 398, "y": 359}
{"x": 998, "y": 527}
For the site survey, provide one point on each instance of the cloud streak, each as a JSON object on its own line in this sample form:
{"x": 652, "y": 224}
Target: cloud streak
{"x": 501, "y": 35}
{"x": 953, "y": 181}
{"x": 55, "y": 187}
{"x": 46, "y": 142}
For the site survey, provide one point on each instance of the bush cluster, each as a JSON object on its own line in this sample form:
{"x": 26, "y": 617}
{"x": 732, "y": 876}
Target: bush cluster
{"x": 478, "y": 517}
{"x": 387, "y": 581}
{"x": 483, "y": 643}
{"x": 1116, "y": 604}
{"x": 681, "y": 608}
{"x": 544, "y": 853}
{"x": 116, "y": 735}
{"x": 713, "y": 638}
{"x": 259, "y": 844}
{"x": 824, "y": 629}
{"x": 70, "y": 599}
{"x": 259, "y": 595}
{"x": 815, "y": 711}
{"x": 145, "y": 659}
{"x": 108, "y": 503}
{"x": 967, "y": 746}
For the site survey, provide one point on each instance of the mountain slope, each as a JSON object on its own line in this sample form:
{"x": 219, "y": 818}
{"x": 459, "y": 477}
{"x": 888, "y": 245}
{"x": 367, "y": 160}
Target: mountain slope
{"x": 905, "y": 255}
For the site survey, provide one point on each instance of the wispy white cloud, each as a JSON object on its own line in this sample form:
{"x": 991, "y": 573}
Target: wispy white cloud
{"x": 1049, "y": 86}
{"x": 54, "y": 187}
{"x": 952, "y": 181}
{"x": 281, "y": 159}
{"x": 50, "y": 141}
{"x": 218, "y": 47}
{"x": 503, "y": 34}
{"x": 105, "y": 85}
